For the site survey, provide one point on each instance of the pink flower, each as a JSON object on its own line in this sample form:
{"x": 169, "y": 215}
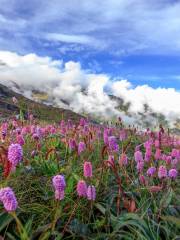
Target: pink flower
{"x": 174, "y": 152}
{"x": 59, "y": 195}
{"x": 138, "y": 156}
{"x": 81, "y": 188}
{"x": 156, "y": 143}
{"x": 36, "y": 136}
{"x": 168, "y": 159}
{"x": 81, "y": 147}
{"x": 59, "y": 185}
{"x": 91, "y": 193}
{"x": 8, "y": 198}
{"x": 173, "y": 173}
{"x": 59, "y": 182}
{"x": 162, "y": 172}
{"x": 157, "y": 154}
{"x": 112, "y": 142}
{"x": 20, "y": 139}
{"x": 15, "y": 154}
{"x": 140, "y": 166}
{"x": 82, "y": 122}
{"x": 87, "y": 169}
{"x": 72, "y": 144}
{"x": 151, "y": 171}
{"x": 148, "y": 154}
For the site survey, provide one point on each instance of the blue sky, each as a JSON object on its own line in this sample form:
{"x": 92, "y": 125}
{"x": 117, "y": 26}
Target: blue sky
{"x": 137, "y": 40}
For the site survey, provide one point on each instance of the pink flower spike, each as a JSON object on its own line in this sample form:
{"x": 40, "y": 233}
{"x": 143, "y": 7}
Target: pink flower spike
{"x": 162, "y": 172}
{"x": 87, "y": 169}
{"x": 138, "y": 156}
{"x": 81, "y": 147}
{"x": 15, "y": 154}
{"x": 8, "y": 198}
{"x": 91, "y": 193}
{"x": 173, "y": 173}
{"x": 81, "y": 188}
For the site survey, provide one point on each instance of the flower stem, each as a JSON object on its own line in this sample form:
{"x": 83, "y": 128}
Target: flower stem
{"x": 21, "y": 230}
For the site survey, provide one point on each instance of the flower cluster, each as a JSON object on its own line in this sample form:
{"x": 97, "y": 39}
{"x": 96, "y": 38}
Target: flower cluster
{"x": 15, "y": 154}
{"x": 59, "y": 185}
{"x": 84, "y": 191}
{"x": 8, "y": 198}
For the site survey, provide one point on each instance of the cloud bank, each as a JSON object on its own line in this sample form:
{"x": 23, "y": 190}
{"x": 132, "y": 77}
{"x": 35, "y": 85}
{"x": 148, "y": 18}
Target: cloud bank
{"x": 70, "y": 86}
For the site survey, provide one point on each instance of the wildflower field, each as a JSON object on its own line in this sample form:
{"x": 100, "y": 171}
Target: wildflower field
{"x": 79, "y": 180}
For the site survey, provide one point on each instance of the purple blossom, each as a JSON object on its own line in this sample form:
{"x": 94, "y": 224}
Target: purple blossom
{"x": 59, "y": 195}
{"x": 59, "y": 182}
{"x": 140, "y": 166}
{"x": 8, "y": 198}
{"x": 173, "y": 173}
{"x": 59, "y": 185}
{"x": 82, "y": 122}
{"x": 15, "y": 154}
{"x": 148, "y": 154}
{"x": 168, "y": 159}
{"x": 87, "y": 169}
{"x": 174, "y": 152}
{"x": 81, "y": 147}
{"x": 112, "y": 142}
{"x": 81, "y": 188}
{"x": 162, "y": 172}
{"x": 151, "y": 171}
{"x": 158, "y": 154}
{"x": 138, "y": 156}
{"x": 156, "y": 143}
{"x": 20, "y": 139}
{"x": 72, "y": 144}
{"x": 36, "y": 136}
{"x": 91, "y": 193}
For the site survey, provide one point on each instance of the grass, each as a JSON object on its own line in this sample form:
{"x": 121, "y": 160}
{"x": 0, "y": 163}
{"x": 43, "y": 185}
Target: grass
{"x": 124, "y": 207}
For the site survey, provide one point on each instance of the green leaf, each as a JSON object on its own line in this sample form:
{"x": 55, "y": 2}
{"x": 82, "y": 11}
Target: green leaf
{"x": 172, "y": 219}
{"x": 5, "y": 220}
{"x": 10, "y": 236}
{"x": 166, "y": 199}
{"x": 45, "y": 236}
{"x": 79, "y": 228}
{"x": 28, "y": 226}
{"x": 134, "y": 223}
{"x": 70, "y": 185}
{"x": 103, "y": 211}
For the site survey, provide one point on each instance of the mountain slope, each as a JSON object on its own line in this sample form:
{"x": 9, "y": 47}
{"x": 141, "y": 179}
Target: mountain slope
{"x": 42, "y": 111}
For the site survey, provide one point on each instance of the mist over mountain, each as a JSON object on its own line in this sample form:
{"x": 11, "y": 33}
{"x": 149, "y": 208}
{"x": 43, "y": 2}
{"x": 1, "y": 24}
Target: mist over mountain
{"x": 67, "y": 85}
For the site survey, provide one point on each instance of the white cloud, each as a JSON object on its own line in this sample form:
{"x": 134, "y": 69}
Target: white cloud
{"x": 83, "y": 39}
{"x": 83, "y": 90}
{"x": 161, "y": 100}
